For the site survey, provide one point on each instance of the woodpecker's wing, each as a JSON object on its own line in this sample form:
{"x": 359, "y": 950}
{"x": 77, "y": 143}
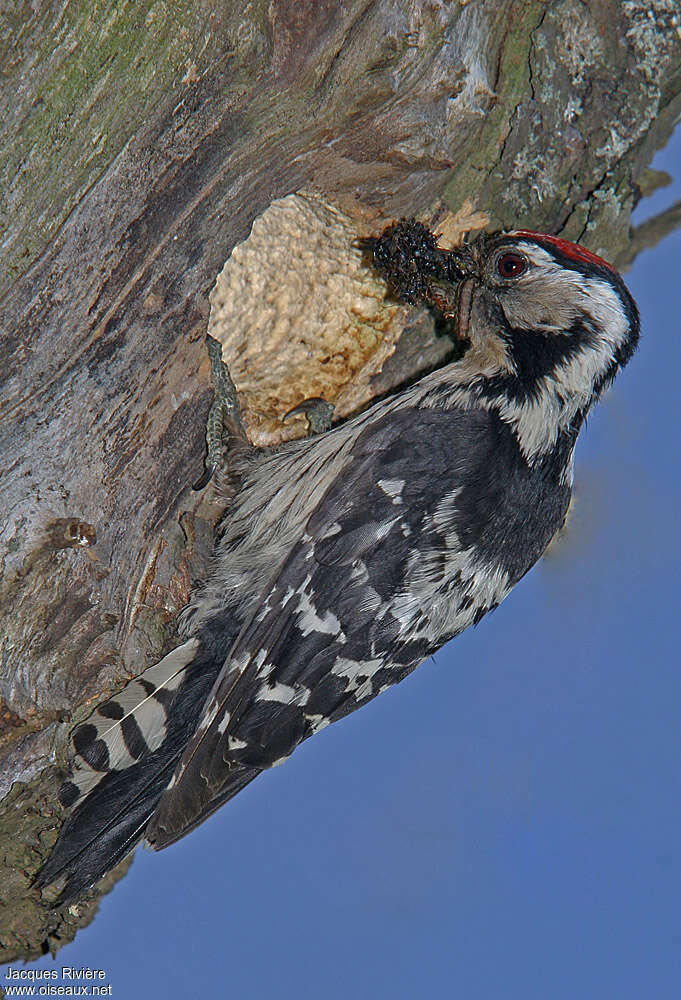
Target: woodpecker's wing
{"x": 347, "y": 614}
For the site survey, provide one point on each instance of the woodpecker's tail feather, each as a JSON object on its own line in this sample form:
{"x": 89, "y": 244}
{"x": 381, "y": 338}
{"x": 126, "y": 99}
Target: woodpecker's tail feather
{"x": 240, "y": 776}
{"x": 105, "y": 827}
{"x": 130, "y": 725}
{"x": 124, "y": 757}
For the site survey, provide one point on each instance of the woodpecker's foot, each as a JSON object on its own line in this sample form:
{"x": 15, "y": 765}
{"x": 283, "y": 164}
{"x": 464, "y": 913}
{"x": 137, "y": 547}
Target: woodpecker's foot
{"x": 319, "y": 414}
{"x": 225, "y": 409}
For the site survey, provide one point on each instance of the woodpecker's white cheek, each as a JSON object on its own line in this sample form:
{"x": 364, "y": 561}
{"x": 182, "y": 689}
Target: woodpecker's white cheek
{"x": 539, "y": 302}
{"x": 604, "y": 308}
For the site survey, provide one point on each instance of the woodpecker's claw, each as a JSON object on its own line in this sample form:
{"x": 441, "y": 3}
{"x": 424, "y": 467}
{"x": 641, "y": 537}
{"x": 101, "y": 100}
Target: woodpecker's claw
{"x": 205, "y": 477}
{"x": 319, "y": 414}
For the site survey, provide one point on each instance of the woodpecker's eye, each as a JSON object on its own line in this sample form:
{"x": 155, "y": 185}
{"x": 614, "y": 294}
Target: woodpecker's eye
{"x": 511, "y": 265}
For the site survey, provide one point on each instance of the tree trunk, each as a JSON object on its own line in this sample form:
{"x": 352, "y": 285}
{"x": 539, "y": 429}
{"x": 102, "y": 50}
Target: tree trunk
{"x": 140, "y": 143}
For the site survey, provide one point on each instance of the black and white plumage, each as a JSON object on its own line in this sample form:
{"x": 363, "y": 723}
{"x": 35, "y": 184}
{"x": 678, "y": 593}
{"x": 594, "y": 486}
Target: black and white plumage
{"x": 348, "y": 558}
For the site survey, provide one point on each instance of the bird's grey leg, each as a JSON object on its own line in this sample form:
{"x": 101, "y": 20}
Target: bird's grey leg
{"x": 225, "y": 409}
{"x": 319, "y": 414}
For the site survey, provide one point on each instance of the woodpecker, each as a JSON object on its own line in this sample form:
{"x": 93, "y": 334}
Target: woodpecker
{"x": 349, "y": 557}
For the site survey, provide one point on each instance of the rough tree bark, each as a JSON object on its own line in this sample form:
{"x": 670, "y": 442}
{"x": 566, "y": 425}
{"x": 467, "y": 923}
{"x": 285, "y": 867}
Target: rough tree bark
{"x": 140, "y": 142}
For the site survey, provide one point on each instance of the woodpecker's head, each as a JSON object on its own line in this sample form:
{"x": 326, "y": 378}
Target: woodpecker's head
{"x": 555, "y": 310}
{"x": 549, "y": 323}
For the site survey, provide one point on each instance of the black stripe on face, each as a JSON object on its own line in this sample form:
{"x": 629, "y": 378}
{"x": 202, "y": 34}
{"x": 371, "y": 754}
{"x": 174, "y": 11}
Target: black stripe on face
{"x": 132, "y": 734}
{"x": 538, "y": 355}
{"x": 94, "y": 751}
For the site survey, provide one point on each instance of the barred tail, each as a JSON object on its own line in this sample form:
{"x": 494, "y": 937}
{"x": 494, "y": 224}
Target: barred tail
{"x": 124, "y": 757}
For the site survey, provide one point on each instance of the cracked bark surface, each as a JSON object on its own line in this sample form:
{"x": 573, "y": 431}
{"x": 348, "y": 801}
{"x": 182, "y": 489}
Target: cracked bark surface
{"x": 139, "y": 145}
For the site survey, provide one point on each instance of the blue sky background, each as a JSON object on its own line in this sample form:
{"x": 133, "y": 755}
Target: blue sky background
{"x": 505, "y": 823}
